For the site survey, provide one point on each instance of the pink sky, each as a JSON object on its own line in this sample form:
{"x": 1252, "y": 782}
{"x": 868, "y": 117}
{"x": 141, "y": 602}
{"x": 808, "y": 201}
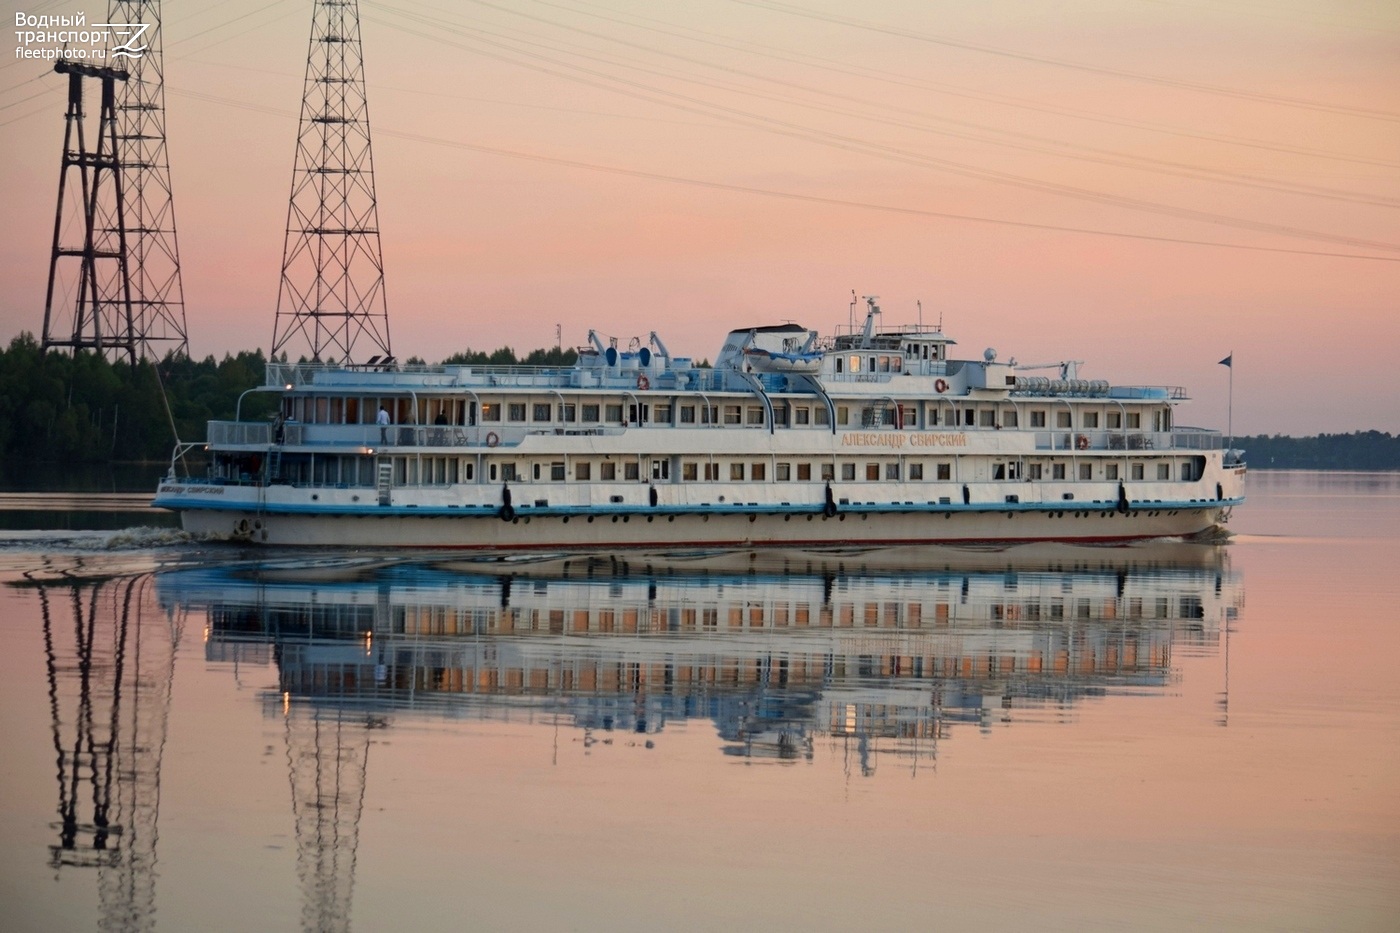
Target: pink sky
{"x": 483, "y": 249}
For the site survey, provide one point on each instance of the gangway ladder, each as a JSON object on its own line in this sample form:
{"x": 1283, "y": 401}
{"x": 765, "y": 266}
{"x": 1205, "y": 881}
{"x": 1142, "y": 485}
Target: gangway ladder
{"x": 386, "y": 478}
{"x": 274, "y": 465}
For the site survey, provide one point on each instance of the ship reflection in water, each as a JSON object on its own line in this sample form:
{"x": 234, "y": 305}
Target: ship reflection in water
{"x": 777, "y": 650}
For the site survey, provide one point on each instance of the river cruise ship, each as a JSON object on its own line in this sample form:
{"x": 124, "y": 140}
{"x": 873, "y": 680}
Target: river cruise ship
{"x": 875, "y": 436}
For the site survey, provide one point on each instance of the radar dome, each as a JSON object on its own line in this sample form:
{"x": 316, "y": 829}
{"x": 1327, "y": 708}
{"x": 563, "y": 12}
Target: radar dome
{"x": 989, "y": 354}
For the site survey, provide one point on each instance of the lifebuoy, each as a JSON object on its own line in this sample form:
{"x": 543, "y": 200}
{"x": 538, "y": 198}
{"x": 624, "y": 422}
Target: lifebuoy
{"x": 507, "y": 513}
{"x": 643, "y": 382}
{"x": 1081, "y": 442}
{"x": 940, "y": 385}
{"x": 492, "y": 439}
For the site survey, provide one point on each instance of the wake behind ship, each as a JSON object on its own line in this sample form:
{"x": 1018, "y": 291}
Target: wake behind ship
{"x": 871, "y": 437}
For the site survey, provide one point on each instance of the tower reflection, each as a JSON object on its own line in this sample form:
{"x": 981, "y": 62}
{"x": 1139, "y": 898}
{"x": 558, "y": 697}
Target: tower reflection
{"x": 110, "y": 665}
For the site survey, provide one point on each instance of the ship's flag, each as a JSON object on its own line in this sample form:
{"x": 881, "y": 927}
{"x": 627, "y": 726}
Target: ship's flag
{"x": 1228, "y": 361}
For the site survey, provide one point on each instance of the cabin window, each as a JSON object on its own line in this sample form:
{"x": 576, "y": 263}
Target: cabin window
{"x": 945, "y": 471}
{"x": 1115, "y": 421}
{"x": 839, "y": 367}
{"x": 732, "y": 414}
{"x": 1062, "y": 419}
{"x": 661, "y": 414}
{"x": 780, "y": 415}
{"x": 583, "y": 471}
{"x": 468, "y": 471}
{"x": 755, "y": 415}
{"x": 590, "y": 414}
{"x": 1008, "y": 418}
{"x": 933, "y": 418}
{"x": 1035, "y": 471}
{"x": 709, "y": 414}
{"x": 607, "y": 471}
{"x": 687, "y": 414}
{"x": 801, "y": 416}
{"x": 494, "y": 470}
{"x": 1090, "y": 419}
{"x": 987, "y": 418}
{"x": 537, "y": 472}
{"x": 1086, "y": 471}
{"x": 821, "y": 416}
{"x": 969, "y": 417}
{"x": 884, "y": 364}
{"x": 782, "y": 472}
{"x": 516, "y": 411}
{"x": 892, "y": 470}
{"x": 736, "y": 471}
{"x": 916, "y": 471}
{"x": 1137, "y": 471}
{"x": 1134, "y": 420}
{"x": 897, "y": 364}
{"x": 568, "y": 413}
{"x": 508, "y": 472}
{"x": 712, "y": 472}
{"x": 1037, "y": 418}
{"x": 661, "y": 469}
{"x": 998, "y": 471}
{"x": 872, "y": 472}
{"x": 556, "y": 472}
{"x": 1186, "y": 473}
{"x": 855, "y": 364}
{"x": 631, "y": 471}
{"x": 690, "y": 472}
{"x": 804, "y": 472}
{"x": 1057, "y": 471}
{"x": 1110, "y": 471}
{"x": 758, "y": 472}
{"x": 352, "y": 411}
{"x": 1164, "y": 471}
{"x": 843, "y": 415}
{"x": 848, "y": 472}
{"x": 541, "y": 412}
{"x": 615, "y": 414}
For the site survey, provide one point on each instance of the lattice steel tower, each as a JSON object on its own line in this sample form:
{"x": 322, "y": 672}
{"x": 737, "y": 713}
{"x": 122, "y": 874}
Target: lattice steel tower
{"x": 331, "y": 300}
{"x": 102, "y": 316}
{"x": 153, "y": 257}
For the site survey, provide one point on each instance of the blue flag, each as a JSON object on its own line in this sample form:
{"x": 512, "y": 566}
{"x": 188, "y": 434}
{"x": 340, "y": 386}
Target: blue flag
{"x": 1228, "y": 361}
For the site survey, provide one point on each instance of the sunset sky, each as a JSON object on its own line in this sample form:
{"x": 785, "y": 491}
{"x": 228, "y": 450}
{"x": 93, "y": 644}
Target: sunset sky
{"x": 1145, "y": 185}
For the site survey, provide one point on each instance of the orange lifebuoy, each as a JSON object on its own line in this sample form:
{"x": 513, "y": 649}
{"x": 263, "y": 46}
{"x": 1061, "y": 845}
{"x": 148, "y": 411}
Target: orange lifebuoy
{"x": 940, "y": 385}
{"x": 643, "y": 382}
{"x": 492, "y": 439}
{"x": 1081, "y": 442}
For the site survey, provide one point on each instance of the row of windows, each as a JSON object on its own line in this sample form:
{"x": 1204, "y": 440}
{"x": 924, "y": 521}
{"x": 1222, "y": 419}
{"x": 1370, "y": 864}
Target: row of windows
{"x": 349, "y": 470}
{"x": 365, "y": 410}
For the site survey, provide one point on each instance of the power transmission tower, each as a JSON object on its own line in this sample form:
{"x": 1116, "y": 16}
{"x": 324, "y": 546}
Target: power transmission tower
{"x": 102, "y": 316}
{"x": 331, "y": 297}
{"x": 153, "y": 256}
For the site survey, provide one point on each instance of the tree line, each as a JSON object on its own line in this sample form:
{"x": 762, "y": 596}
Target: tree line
{"x": 81, "y": 408}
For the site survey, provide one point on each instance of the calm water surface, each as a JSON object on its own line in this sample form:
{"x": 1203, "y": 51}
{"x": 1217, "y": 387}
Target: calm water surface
{"x": 1162, "y": 737}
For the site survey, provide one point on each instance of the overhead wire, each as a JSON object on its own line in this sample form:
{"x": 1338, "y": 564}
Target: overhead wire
{"x": 593, "y": 77}
{"x": 790, "y": 195}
